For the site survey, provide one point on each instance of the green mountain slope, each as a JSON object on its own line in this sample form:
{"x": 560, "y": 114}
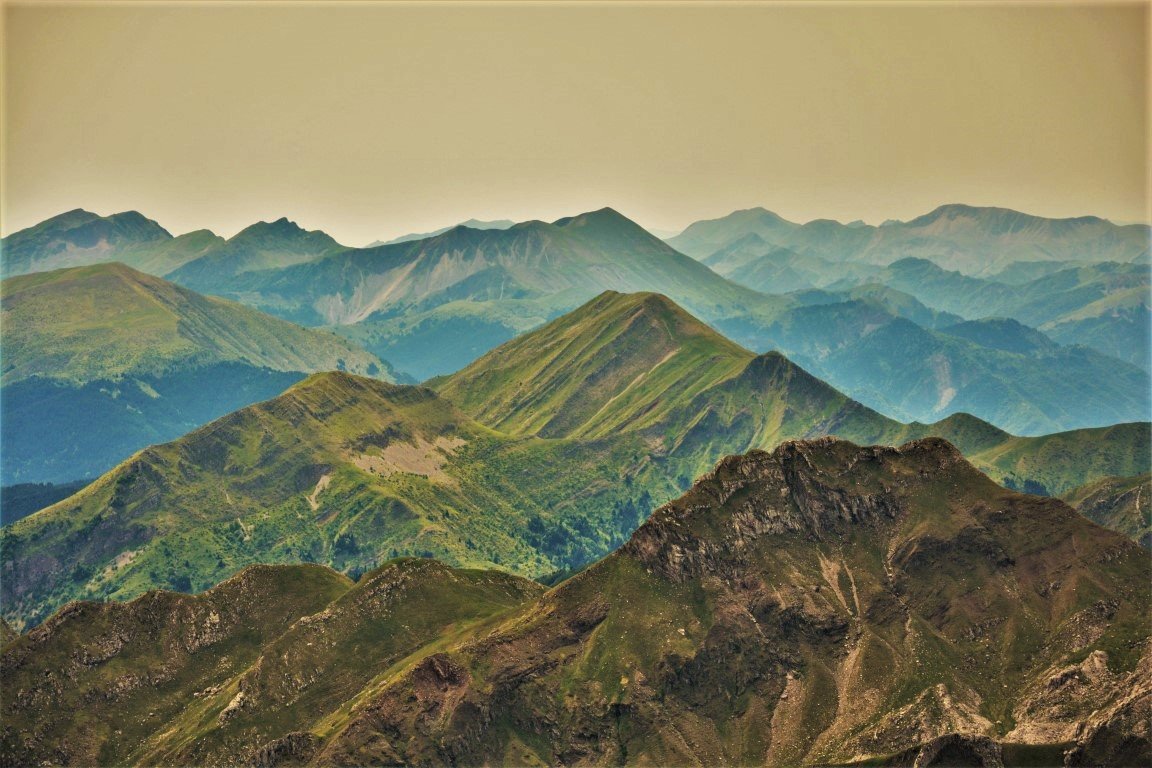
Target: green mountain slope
{"x": 822, "y": 604}
{"x": 341, "y": 470}
{"x": 793, "y": 608}
{"x": 100, "y": 361}
{"x": 109, "y": 321}
{"x": 640, "y": 363}
{"x": 1059, "y": 462}
{"x": 637, "y": 364}
{"x": 621, "y": 361}
{"x": 148, "y": 658}
{"x": 349, "y": 472}
{"x": 1118, "y": 503}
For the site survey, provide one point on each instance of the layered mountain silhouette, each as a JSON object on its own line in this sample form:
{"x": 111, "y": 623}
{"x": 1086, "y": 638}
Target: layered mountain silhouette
{"x": 264, "y": 245}
{"x": 552, "y": 459}
{"x": 470, "y": 223}
{"x": 81, "y": 237}
{"x": 101, "y": 361}
{"x": 579, "y": 256}
{"x": 1099, "y": 300}
{"x": 821, "y": 604}
{"x": 414, "y": 300}
{"x": 997, "y": 369}
{"x": 435, "y": 304}
{"x": 974, "y": 240}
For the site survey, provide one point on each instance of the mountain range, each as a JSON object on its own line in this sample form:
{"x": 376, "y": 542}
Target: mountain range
{"x": 1082, "y": 281}
{"x": 433, "y": 305}
{"x": 820, "y": 604}
{"x": 973, "y": 240}
{"x": 539, "y": 458}
{"x": 80, "y": 238}
{"x": 998, "y": 369}
{"x": 103, "y": 360}
{"x": 425, "y": 294}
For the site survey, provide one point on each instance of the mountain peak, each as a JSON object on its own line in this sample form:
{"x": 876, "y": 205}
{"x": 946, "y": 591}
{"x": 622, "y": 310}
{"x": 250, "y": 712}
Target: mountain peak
{"x": 808, "y": 487}
{"x": 613, "y": 230}
{"x": 330, "y": 382}
{"x": 281, "y": 227}
{"x": 759, "y": 213}
{"x": 998, "y": 220}
{"x": 620, "y": 361}
{"x": 603, "y": 217}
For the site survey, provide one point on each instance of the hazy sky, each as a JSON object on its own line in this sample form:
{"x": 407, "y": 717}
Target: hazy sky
{"x": 372, "y": 120}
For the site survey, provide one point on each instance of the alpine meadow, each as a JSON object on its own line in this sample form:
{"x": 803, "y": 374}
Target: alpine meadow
{"x": 518, "y": 385}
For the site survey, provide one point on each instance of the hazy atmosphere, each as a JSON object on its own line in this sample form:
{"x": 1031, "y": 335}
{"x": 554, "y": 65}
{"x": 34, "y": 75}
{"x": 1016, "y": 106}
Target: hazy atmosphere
{"x": 542, "y": 384}
{"x": 371, "y": 120}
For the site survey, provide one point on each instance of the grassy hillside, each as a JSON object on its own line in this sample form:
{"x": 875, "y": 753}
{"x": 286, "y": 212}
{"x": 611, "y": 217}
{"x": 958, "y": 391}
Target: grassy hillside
{"x": 823, "y": 604}
{"x": 1062, "y": 461}
{"x": 637, "y": 363}
{"x": 340, "y": 470}
{"x": 618, "y": 362}
{"x": 108, "y": 321}
{"x": 349, "y": 472}
{"x": 149, "y": 659}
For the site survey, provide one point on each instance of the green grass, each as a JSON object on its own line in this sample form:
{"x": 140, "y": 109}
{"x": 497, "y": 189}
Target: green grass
{"x": 109, "y": 321}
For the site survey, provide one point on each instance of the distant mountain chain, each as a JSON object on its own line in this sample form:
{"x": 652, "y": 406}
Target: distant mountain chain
{"x": 471, "y": 224}
{"x": 973, "y": 240}
{"x": 825, "y": 294}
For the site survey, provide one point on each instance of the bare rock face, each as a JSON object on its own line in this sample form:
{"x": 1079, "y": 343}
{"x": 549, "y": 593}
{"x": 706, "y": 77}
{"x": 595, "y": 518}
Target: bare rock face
{"x": 1121, "y": 732}
{"x": 295, "y": 748}
{"x": 765, "y": 494}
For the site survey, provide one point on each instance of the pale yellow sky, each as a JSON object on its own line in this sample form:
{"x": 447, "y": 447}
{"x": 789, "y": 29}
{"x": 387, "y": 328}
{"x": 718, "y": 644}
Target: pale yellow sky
{"x": 372, "y": 120}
